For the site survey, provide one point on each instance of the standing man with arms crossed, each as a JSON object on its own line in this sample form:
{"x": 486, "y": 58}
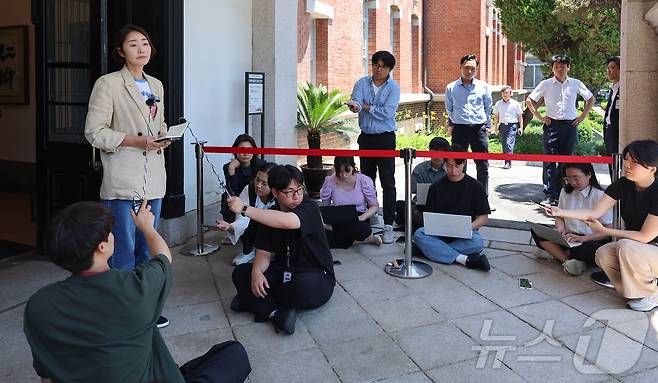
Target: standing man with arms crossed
{"x": 468, "y": 103}
{"x": 611, "y": 120}
{"x": 375, "y": 98}
{"x": 561, "y": 120}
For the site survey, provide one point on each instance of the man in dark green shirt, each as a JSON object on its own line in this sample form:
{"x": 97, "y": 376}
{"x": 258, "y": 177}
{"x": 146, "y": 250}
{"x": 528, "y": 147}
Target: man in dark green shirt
{"x": 98, "y": 325}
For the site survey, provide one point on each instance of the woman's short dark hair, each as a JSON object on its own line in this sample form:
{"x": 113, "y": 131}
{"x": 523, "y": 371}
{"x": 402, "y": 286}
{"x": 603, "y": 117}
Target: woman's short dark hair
{"x": 439, "y": 144}
{"x": 456, "y": 148}
{"x": 587, "y": 169}
{"x": 468, "y": 58}
{"x": 121, "y": 36}
{"x": 280, "y": 176}
{"x": 343, "y": 162}
{"x": 386, "y": 57}
{"x": 644, "y": 152}
{"x": 244, "y": 138}
{"x": 266, "y": 167}
{"x": 75, "y": 232}
{"x": 563, "y": 59}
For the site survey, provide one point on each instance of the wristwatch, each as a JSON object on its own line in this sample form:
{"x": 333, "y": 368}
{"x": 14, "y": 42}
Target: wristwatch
{"x": 244, "y": 210}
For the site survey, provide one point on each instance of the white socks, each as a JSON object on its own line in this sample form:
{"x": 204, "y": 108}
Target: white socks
{"x": 461, "y": 258}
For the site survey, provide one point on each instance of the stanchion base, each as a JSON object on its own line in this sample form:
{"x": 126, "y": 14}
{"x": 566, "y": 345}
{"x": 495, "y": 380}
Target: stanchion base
{"x": 417, "y": 270}
{"x": 196, "y": 251}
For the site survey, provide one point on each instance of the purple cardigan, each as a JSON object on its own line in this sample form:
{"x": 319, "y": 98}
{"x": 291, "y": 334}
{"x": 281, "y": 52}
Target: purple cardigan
{"x": 363, "y": 195}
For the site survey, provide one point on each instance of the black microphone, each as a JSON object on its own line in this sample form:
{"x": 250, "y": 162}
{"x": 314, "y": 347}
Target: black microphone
{"x": 151, "y": 100}
{"x": 181, "y": 120}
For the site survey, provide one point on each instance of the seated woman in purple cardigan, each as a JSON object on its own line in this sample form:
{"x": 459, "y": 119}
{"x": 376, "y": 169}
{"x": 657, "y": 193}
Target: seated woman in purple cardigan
{"x": 349, "y": 187}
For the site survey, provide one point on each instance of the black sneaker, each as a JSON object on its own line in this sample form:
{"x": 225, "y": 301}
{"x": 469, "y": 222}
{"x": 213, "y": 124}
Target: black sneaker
{"x": 284, "y": 319}
{"x": 478, "y": 261}
{"x": 162, "y": 322}
{"x": 601, "y": 279}
{"x": 235, "y": 304}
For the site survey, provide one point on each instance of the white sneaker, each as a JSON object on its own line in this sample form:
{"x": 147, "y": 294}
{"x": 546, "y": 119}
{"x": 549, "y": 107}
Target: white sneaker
{"x": 244, "y": 258}
{"x": 374, "y": 240}
{"x": 574, "y": 266}
{"x": 643, "y": 304}
{"x": 388, "y": 236}
{"x": 542, "y": 254}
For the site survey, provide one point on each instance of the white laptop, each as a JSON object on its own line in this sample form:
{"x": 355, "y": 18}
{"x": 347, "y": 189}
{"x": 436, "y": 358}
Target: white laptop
{"x": 174, "y": 132}
{"x": 551, "y": 235}
{"x": 421, "y": 193}
{"x": 448, "y": 225}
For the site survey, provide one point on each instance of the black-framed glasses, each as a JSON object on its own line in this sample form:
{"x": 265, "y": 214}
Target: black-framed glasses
{"x": 290, "y": 193}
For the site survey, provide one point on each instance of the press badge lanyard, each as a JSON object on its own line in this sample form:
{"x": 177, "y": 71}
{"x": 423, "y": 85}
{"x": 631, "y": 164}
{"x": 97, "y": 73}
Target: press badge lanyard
{"x": 287, "y": 274}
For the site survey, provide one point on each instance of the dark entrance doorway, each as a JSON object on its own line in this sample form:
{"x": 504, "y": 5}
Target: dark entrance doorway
{"x": 73, "y": 39}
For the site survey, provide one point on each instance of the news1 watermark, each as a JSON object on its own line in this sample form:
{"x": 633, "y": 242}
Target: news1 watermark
{"x": 616, "y": 352}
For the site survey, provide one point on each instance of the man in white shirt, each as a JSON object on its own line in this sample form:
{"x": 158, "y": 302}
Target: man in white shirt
{"x": 508, "y": 115}
{"x": 611, "y": 119}
{"x": 560, "y": 93}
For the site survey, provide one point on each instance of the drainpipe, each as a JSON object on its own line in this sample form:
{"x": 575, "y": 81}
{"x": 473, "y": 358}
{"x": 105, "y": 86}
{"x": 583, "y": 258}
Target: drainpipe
{"x": 426, "y": 89}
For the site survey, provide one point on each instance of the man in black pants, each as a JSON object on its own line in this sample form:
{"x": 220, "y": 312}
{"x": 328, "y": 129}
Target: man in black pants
{"x": 469, "y": 105}
{"x": 375, "y": 98}
{"x": 293, "y": 268}
{"x": 561, "y": 121}
{"x": 611, "y": 118}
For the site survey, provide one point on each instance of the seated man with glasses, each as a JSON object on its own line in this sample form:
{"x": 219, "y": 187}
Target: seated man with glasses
{"x": 293, "y": 268}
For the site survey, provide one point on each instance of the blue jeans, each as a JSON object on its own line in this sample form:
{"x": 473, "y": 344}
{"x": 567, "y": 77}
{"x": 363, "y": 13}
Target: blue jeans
{"x": 130, "y": 247}
{"x": 444, "y": 249}
{"x": 508, "y": 138}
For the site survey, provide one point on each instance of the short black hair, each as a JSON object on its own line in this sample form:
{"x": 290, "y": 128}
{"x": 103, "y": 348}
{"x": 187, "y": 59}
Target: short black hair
{"x": 456, "y": 148}
{"x": 439, "y": 144}
{"x": 75, "y": 232}
{"x": 342, "y": 162}
{"x": 266, "y": 167}
{"x": 614, "y": 59}
{"x": 280, "y": 176}
{"x": 563, "y": 59}
{"x": 644, "y": 152}
{"x": 587, "y": 169}
{"x": 469, "y": 57}
{"x": 120, "y": 38}
{"x": 386, "y": 57}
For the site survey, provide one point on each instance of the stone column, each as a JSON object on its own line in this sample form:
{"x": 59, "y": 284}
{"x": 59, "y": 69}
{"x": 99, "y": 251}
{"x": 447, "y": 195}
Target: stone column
{"x": 274, "y": 43}
{"x": 639, "y": 72}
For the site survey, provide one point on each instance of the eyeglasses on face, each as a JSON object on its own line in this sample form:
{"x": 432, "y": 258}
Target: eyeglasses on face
{"x": 379, "y": 67}
{"x": 292, "y": 192}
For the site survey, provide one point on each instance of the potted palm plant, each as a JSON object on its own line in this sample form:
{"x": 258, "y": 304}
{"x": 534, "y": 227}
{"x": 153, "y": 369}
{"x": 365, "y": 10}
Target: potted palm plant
{"x": 318, "y": 112}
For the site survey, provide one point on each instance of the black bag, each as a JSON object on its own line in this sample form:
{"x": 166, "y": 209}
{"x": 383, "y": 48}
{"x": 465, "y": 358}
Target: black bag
{"x": 225, "y": 363}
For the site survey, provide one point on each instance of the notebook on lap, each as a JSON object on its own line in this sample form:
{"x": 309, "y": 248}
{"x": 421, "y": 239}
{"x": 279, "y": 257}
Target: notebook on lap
{"x": 551, "y": 235}
{"x": 339, "y": 215}
{"x": 447, "y": 225}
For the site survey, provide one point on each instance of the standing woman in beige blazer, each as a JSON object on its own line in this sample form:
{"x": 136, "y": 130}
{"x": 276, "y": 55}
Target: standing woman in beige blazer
{"x": 126, "y": 114}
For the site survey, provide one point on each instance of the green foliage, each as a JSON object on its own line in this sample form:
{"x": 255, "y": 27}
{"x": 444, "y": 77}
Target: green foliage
{"x": 318, "y": 110}
{"x": 586, "y": 30}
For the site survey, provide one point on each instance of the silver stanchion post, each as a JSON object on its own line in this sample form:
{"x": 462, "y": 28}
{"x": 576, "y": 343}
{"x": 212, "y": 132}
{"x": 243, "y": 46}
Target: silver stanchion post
{"x": 407, "y": 268}
{"x": 199, "y": 248}
{"x": 599, "y": 277}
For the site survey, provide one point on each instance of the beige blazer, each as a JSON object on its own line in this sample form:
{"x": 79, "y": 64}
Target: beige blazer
{"x": 117, "y": 109}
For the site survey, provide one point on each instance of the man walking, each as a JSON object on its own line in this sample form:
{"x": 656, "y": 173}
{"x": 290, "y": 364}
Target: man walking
{"x": 375, "y": 98}
{"x": 468, "y": 103}
{"x": 561, "y": 120}
{"x": 508, "y": 117}
{"x": 611, "y": 119}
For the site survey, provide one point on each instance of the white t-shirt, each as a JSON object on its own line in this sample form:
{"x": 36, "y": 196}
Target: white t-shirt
{"x": 144, "y": 88}
{"x": 375, "y": 88}
{"x": 241, "y": 222}
{"x": 508, "y": 112}
{"x": 582, "y": 200}
{"x": 560, "y": 97}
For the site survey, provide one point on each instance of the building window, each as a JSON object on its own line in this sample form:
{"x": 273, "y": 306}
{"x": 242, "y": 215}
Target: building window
{"x": 532, "y": 75}
{"x": 364, "y": 51}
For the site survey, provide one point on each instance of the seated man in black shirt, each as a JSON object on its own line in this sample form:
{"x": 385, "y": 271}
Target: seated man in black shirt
{"x": 293, "y": 268}
{"x": 98, "y": 325}
{"x": 460, "y": 194}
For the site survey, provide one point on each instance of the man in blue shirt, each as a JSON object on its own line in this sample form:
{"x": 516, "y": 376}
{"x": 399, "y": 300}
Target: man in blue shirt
{"x": 469, "y": 105}
{"x": 375, "y": 98}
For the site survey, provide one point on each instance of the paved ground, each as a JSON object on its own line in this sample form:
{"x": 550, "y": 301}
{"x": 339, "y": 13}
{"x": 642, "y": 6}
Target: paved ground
{"x": 456, "y": 325}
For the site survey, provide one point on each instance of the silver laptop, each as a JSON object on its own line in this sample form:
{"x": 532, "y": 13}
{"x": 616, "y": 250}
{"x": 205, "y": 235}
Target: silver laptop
{"x": 551, "y": 235}
{"x": 448, "y": 225}
{"x": 421, "y": 193}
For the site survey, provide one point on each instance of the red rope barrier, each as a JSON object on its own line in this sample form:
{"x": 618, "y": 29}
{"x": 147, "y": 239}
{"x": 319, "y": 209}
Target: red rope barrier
{"x": 396, "y": 153}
